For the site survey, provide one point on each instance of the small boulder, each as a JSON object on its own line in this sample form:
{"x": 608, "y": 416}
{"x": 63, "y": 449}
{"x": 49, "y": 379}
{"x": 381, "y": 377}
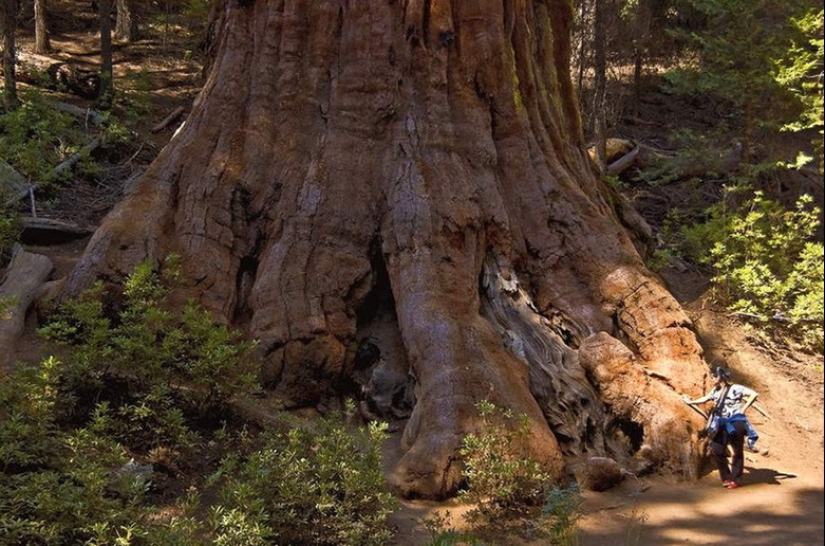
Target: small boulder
{"x": 599, "y": 474}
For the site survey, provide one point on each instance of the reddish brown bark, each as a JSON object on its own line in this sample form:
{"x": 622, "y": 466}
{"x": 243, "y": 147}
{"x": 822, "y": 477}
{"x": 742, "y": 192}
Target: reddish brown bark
{"x": 417, "y": 164}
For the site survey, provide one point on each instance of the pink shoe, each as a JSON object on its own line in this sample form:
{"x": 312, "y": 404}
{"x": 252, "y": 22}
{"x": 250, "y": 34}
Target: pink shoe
{"x": 727, "y": 483}
{"x": 733, "y": 485}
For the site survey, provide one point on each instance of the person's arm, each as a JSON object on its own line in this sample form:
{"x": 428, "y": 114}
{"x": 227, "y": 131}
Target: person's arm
{"x": 748, "y": 399}
{"x": 700, "y": 400}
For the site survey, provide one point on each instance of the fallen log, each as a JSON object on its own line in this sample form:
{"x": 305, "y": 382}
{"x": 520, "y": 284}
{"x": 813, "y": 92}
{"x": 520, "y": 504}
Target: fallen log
{"x": 48, "y": 231}
{"x": 24, "y": 276}
{"x": 13, "y": 187}
{"x": 56, "y": 74}
{"x": 84, "y": 113}
{"x": 168, "y": 120}
{"x": 623, "y": 162}
{"x": 69, "y": 162}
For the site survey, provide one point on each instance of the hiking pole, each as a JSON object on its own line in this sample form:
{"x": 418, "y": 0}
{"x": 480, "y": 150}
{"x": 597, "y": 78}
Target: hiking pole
{"x": 758, "y": 408}
{"x": 698, "y": 410}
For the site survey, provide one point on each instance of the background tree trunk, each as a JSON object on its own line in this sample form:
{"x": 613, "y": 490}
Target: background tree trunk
{"x": 42, "y": 42}
{"x": 126, "y": 23}
{"x": 600, "y": 86}
{"x": 8, "y": 18}
{"x": 106, "y": 94}
{"x": 413, "y": 174}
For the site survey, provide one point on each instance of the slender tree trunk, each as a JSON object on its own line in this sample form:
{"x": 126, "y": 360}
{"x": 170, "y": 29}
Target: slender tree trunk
{"x": 583, "y": 35}
{"x": 8, "y": 18}
{"x": 414, "y": 174}
{"x": 641, "y": 43}
{"x": 42, "y": 41}
{"x": 106, "y": 94}
{"x": 126, "y": 23}
{"x": 600, "y": 86}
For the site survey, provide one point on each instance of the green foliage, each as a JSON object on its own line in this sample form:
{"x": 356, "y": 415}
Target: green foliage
{"x": 27, "y": 400}
{"x": 9, "y": 230}
{"x": 738, "y": 45}
{"x": 66, "y": 486}
{"x": 315, "y": 485}
{"x": 36, "y": 137}
{"x": 501, "y": 482}
{"x": 133, "y": 380}
{"x": 696, "y": 152}
{"x": 800, "y": 71}
{"x": 562, "y": 508}
{"x": 152, "y": 366}
{"x": 765, "y": 262}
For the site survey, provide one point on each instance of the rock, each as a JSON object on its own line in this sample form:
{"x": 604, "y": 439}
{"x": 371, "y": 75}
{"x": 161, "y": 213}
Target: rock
{"x": 599, "y": 474}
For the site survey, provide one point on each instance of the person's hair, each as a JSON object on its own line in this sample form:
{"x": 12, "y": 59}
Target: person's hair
{"x": 721, "y": 373}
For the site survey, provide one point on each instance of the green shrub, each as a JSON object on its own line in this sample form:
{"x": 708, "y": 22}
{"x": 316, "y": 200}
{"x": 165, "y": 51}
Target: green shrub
{"x": 562, "y": 507}
{"x": 9, "y": 230}
{"x": 157, "y": 370}
{"x": 319, "y": 484}
{"x": 765, "y": 263}
{"x": 501, "y": 482}
{"x": 67, "y": 486}
{"x": 36, "y": 137}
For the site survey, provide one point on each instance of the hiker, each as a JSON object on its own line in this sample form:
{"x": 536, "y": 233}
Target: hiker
{"x": 731, "y": 401}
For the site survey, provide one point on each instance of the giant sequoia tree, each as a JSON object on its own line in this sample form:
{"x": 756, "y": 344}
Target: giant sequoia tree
{"x": 400, "y": 188}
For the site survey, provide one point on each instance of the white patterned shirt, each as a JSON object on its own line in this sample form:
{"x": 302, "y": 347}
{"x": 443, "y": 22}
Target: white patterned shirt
{"x": 733, "y": 400}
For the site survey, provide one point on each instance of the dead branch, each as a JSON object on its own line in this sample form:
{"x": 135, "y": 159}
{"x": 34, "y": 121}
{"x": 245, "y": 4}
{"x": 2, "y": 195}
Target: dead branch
{"x": 168, "y": 120}
{"x": 75, "y": 157}
{"x": 623, "y": 162}
{"x": 83, "y": 113}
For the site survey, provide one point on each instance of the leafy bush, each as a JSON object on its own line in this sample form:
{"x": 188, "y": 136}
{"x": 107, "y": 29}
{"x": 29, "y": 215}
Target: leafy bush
{"x": 501, "y": 482}
{"x": 66, "y": 486}
{"x": 9, "y": 230}
{"x": 800, "y": 71}
{"x": 315, "y": 485}
{"x": 562, "y": 507}
{"x": 155, "y": 370}
{"x": 36, "y": 137}
{"x": 765, "y": 262}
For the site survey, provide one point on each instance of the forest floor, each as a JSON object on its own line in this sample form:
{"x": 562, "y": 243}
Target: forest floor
{"x": 781, "y": 501}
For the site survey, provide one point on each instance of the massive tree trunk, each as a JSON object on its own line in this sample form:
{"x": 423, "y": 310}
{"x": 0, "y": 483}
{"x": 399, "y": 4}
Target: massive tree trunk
{"x": 410, "y": 177}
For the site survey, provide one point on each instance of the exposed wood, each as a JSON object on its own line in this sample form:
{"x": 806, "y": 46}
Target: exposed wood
{"x": 623, "y": 162}
{"x": 8, "y": 24}
{"x": 168, "y": 120}
{"x": 25, "y": 274}
{"x": 75, "y": 157}
{"x": 74, "y": 78}
{"x": 13, "y": 186}
{"x": 87, "y": 114}
{"x": 48, "y": 231}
